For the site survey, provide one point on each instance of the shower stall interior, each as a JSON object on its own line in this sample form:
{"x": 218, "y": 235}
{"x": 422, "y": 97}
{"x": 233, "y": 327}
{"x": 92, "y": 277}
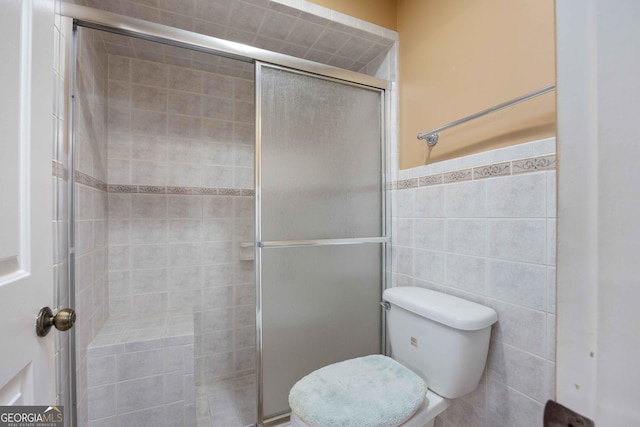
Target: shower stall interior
{"x": 230, "y": 227}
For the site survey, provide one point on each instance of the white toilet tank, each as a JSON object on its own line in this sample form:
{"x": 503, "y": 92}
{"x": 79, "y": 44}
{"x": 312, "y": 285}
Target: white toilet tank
{"x": 442, "y": 338}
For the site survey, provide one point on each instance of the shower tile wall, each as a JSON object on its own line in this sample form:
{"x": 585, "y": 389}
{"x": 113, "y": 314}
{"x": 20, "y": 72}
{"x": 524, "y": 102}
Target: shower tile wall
{"x": 91, "y": 290}
{"x": 483, "y": 228}
{"x": 180, "y": 204}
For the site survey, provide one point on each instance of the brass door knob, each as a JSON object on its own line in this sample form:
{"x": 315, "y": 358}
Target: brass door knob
{"x": 63, "y": 320}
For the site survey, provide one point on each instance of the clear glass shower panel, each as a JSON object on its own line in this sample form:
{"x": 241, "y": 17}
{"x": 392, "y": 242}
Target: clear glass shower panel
{"x": 320, "y": 306}
{"x": 321, "y": 158}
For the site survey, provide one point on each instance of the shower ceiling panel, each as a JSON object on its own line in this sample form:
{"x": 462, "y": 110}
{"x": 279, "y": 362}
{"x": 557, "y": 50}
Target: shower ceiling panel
{"x": 151, "y": 51}
{"x": 266, "y": 24}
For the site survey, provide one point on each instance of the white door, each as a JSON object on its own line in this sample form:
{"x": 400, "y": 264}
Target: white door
{"x": 27, "y": 375}
{"x": 598, "y": 341}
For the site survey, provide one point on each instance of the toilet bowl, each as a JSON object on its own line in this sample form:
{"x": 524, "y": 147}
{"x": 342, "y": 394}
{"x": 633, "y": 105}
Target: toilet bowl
{"x": 439, "y": 346}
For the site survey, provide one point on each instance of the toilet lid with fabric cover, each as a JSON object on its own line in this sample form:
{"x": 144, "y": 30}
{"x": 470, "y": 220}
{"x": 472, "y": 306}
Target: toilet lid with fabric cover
{"x": 370, "y": 391}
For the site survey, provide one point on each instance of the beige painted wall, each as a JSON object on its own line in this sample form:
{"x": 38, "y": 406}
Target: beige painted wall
{"x": 379, "y": 12}
{"x": 458, "y": 57}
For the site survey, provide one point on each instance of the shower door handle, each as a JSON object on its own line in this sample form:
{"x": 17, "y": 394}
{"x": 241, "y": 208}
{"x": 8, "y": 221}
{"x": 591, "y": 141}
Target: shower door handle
{"x": 63, "y": 320}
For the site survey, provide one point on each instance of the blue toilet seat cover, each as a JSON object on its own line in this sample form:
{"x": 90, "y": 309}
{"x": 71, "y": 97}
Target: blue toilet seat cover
{"x": 370, "y": 391}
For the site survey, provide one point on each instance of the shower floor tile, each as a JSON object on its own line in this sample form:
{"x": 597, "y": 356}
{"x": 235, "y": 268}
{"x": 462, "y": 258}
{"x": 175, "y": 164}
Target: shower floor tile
{"x": 227, "y": 403}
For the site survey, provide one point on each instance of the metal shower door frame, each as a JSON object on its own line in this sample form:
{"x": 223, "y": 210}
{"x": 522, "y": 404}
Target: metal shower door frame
{"x": 385, "y": 233}
{"x": 83, "y": 16}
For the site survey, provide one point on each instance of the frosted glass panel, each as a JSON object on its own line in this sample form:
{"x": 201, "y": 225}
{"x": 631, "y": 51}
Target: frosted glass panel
{"x": 321, "y": 158}
{"x": 320, "y": 306}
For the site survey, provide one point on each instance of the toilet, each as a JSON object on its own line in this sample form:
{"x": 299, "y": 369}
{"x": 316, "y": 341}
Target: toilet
{"x": 439, "y": 346}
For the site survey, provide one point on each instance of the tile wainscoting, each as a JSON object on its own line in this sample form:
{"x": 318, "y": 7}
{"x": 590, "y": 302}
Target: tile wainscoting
{"x": 483, "y": 228}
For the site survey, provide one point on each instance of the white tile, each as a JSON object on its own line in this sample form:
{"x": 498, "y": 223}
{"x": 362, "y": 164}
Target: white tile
{"x": 148, "y": 173}
{"x": 551, "y": 242}
{"x": 148, "y": 256}
{"x": 518, "y": 240}
{"x": 507, "y": 407}
{"x": 474, "y": 160}
{"x": 218, "y": 252}
{"x": 462, "y": 413}
{"x": 103, "y": 422}
{"x": 429, "y": 265}
{"x": 405, "y": 204}
{"x": 551, "y": 290}
{"x": 184, "y": 206}
{"x": 518, "y": 283}
{"x": 219, "y": 297}
{"x": 403, "y": 234}
{"x": 151, "y": 417}
{"x": 139, "y": 364}
{"x": 466, "y": 236}
{"x": 466, "y": 273}
{"x": 149, "y": 303}
{"x": 218, "y": 275}
{"x": 466, "y": 199}
{"x": 119, "y": 206}
{"x": 217, "y": 320}
{"x": 184, "y": 300}
{"x": 148, "y": 281}
{"x": 404, "y": 259}
{"x": 147, "y": 206}
{"x": 529, "y": 374}
{"x": 101, "y": 370}
{"x": 429, "y": 202}
{"x": 185, "y": 150}
{"x": 174, "y": 414}
{"x": 518, "y": 196}
{"x": 243, "y": 178}
{"x": 519, "y": 151}
{"x": 148, "y": 230}
{"x": 544, "y": 146}
{"x": 101, "y": 401}
{"x": 174, "y": 359}
{"x": 551, "y": 194}
{"x": 149, "y": 147}
{"x": 182, "y": 278}
{"x": 445, "y": 166}
{"x": 185, "y": 254}
{"x": 184, "y": 175}
{"x": 217, "y": 206}
{"x": 219, "y": 229}
{"x": 551, "y": 337}
{"x": 520, "y": 327}
{"x": 429, "y": 234}
{"x": 119, "y": 257}
{"x": 185, "y": 230}
{"x": 174, "y": 387}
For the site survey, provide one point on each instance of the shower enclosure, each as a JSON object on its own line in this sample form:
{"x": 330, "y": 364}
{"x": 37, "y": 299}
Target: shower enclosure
{"x": 230, "y": 223}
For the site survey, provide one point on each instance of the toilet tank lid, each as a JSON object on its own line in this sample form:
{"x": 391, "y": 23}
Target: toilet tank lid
{"x": 452, "y": 311}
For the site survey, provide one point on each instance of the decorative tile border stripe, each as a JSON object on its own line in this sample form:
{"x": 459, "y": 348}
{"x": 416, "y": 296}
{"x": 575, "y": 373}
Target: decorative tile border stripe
{"x": 514, "y": 167}
{"x": 457, "y": 176}
{"x": 59, "y": 170}
{"x": 431, "y": 180}
{"x": 534, "y": 164}
{"x": 202, "y": 191}
{"x": 499, "y": 169}
{"x": 89, "y": 181}
{"x": 407, "y": 183}
{"x": 84, "y": 179}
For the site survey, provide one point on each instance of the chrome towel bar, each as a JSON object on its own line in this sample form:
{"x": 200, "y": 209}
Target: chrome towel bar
{"x": 431, "y": 137}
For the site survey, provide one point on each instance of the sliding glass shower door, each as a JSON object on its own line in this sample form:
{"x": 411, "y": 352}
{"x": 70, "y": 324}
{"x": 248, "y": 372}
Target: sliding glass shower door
{"x": 320, "y": 226}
